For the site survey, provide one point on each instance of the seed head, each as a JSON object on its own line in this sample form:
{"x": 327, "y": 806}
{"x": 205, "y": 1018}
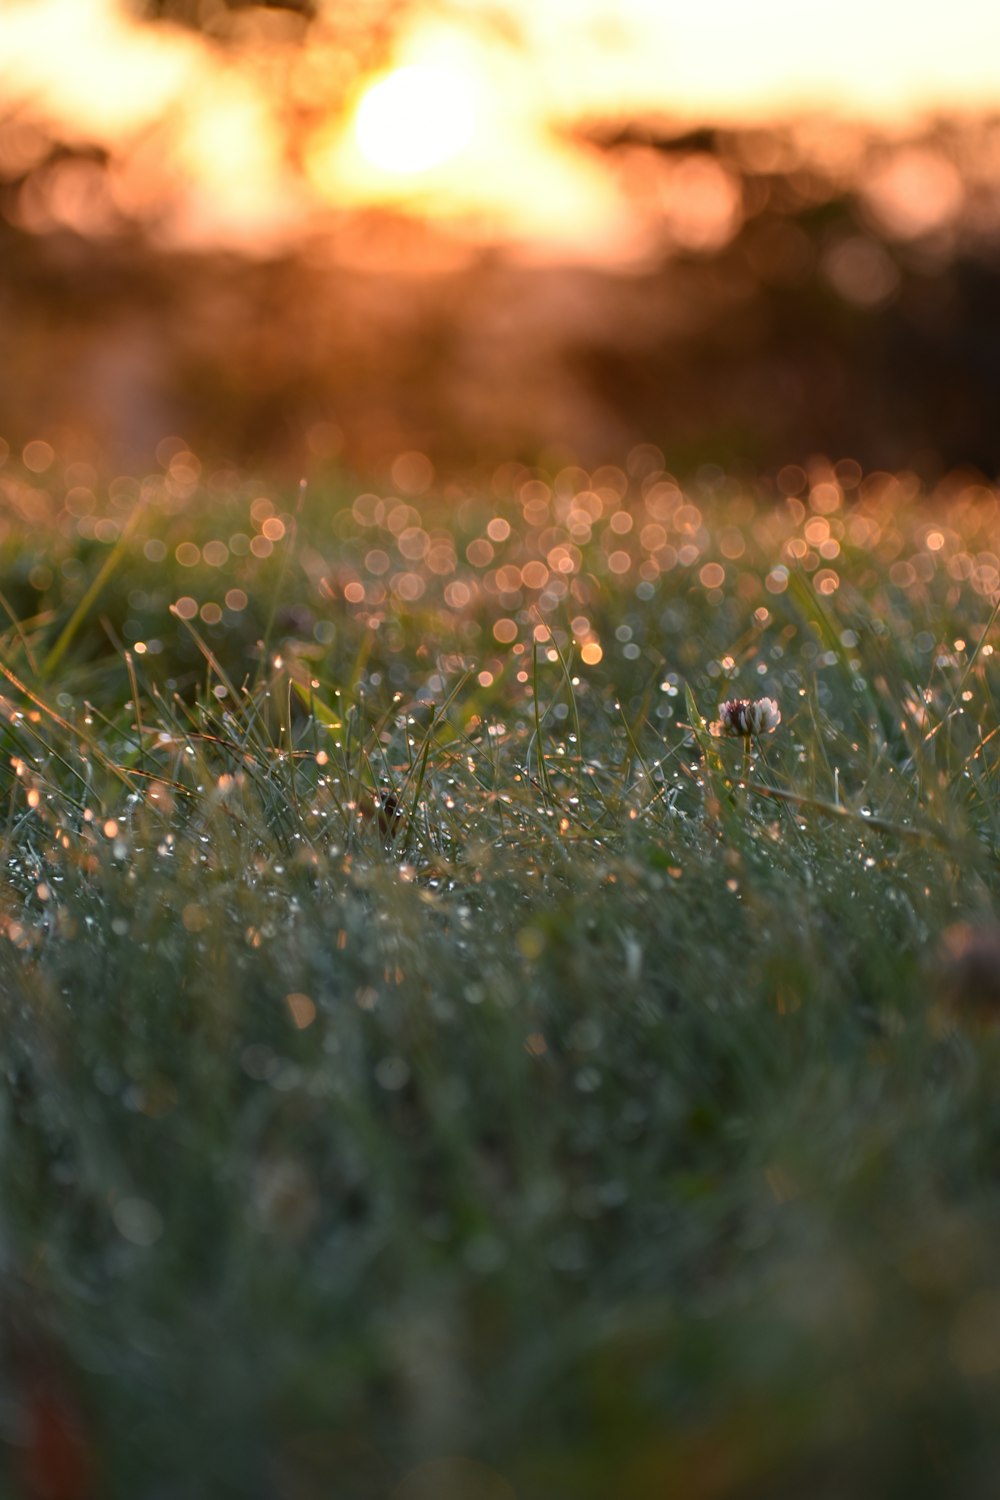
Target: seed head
{"x": 746, "y": 718}
{"x": 385, "y": 809}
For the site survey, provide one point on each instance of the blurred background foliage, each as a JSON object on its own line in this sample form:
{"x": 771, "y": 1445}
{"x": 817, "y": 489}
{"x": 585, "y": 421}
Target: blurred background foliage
{"x": 207, "y": 14}
{"x": 793, "y": 289}
{"x": 211, "y": 14}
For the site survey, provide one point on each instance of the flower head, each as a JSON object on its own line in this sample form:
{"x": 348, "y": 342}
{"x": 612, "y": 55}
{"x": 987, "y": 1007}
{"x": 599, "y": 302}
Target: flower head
{"x": 746, "y": 718}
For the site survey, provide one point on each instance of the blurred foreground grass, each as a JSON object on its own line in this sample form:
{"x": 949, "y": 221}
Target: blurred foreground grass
{"x": 433, "y": 1064}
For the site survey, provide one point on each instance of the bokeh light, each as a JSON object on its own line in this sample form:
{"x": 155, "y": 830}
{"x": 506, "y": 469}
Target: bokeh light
{"x": 414, "y": 118}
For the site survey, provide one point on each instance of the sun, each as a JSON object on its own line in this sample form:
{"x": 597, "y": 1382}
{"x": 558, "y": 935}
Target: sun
{"x": 415, "y": 118}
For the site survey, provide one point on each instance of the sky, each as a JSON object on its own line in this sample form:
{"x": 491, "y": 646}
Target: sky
{"x": 460, "y": 125}
{"x": 735, "y": 59}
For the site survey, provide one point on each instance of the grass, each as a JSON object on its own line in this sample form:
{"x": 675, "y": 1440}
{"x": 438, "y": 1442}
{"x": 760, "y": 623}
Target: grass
{"x": 433, "y": 1064}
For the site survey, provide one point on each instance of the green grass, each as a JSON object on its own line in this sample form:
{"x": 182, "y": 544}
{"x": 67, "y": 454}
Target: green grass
{"x": 589, "y": 1112}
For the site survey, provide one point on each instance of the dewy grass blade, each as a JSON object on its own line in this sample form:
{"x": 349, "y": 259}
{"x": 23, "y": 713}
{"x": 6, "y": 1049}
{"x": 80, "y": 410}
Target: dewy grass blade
{"x": 291, "y": 544}
{"x": 536, "y": 741}
{"x": 973, "y": 655}
{"x": 136, "y": 704}
{"x": 86, "y": 604}
{"x": 574, "y": 706}
{"x": 712, "y": 767}
{"x": 73, "y": 730}
{"x": 20, "y": 633}
{"x": 318, "y": 709}
{"x": 211, "y": 658}
{"x": 838, "y": 811}
{"x": 815, "y": 613}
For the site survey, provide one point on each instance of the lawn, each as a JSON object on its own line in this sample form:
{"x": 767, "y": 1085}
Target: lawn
{"x": 435, "y": 1064}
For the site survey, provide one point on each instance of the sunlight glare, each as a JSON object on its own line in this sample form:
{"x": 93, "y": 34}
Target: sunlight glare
{"x": 415, "y": 118}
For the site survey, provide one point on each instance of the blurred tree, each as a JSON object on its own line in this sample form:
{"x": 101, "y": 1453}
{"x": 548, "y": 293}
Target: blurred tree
{"x": 205, "y": 14}
{"x": 369, "y": 17}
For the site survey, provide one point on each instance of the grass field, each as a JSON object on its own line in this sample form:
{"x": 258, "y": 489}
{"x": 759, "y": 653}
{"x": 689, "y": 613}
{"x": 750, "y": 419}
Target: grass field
{"x": 435, "y": 1066}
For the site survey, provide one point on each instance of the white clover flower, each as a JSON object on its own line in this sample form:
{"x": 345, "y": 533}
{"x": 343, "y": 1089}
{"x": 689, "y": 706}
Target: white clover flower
{"x": 744, "y": 718}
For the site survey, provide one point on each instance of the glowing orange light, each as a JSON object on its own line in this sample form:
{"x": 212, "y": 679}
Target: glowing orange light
{"x": 415, "y": 118}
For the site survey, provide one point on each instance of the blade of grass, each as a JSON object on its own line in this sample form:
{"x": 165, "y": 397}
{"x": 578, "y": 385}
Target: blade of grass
{"x": 73, "y": 730}
{"x": 973, "y": 654}
{"x": 837, "y": 810}
{"x": 90, "y": 597}
{"x": 291, "y": 541}
{"x": 19, "y": 631}
{"x": 214, "y": 664}
{"x": 711, "y": 759}
{"x": 536, "y": 741}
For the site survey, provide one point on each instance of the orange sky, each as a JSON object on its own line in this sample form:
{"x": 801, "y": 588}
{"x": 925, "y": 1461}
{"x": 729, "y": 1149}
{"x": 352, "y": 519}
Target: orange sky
{"x": 470, "y": 133}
